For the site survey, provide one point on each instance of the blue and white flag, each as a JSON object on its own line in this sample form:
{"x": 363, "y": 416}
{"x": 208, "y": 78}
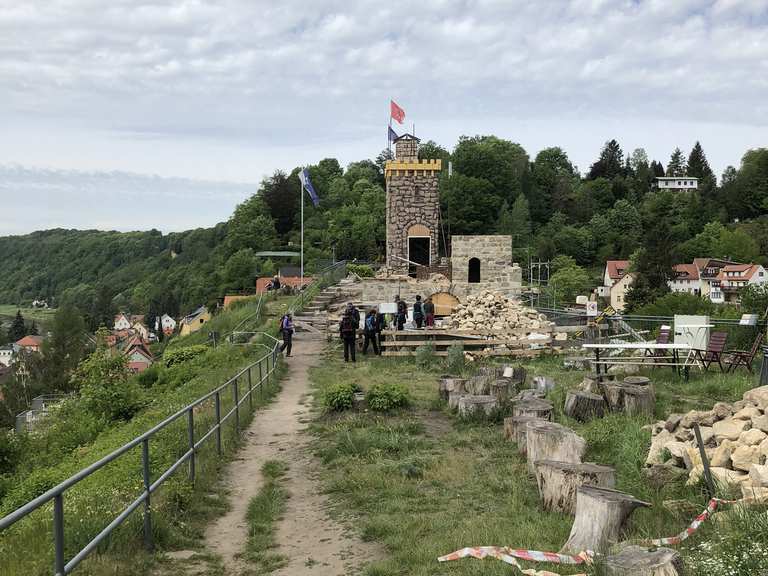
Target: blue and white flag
{"x": 306, "y": 184}
{"x": 392, "y": 135}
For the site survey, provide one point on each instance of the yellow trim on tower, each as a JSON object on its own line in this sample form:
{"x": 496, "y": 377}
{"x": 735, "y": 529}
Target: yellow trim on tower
{"x": 432, "y": 165}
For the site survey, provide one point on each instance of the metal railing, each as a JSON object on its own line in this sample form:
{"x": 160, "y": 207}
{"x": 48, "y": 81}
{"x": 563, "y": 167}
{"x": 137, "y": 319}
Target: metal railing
{"x": 56, "y": 494}
{"x": 326, "y": 277}
{"x": 255, "y": 316}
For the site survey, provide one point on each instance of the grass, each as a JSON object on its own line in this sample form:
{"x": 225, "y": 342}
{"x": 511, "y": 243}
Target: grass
{"x": 424, "y": 483}
{"x": 180, "y": 510}
{"x": 264, "y": 510}
{"x": 42, "y": 316}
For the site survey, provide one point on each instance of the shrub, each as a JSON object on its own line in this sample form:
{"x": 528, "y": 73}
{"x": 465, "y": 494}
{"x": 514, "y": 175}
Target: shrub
{"x": 425, "y": 355}
{"x": 362, "y": 270}
{"x": 382, "y": 397}
{"x": 11, "y": 450}
{"x": 149, "y": 377}
{"x": 181, "y": 355}
{"x": 340, "y": 396}
{"x": 455, "y": 362}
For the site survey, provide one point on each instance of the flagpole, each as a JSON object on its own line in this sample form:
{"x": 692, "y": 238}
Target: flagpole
{"x": 302, "y": 236}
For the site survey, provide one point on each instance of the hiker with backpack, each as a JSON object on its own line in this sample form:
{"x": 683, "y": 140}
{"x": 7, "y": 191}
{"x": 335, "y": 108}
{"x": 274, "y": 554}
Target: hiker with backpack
{"x": 370, "y": 332}
{"x": 348, "y": 334}
{"x": 418, "y": 312}
{"x": 286, "y": 329}
{"x": 381, "y": 325}
{"x": 429, "y": 313}
{"x": 402, "y": 312}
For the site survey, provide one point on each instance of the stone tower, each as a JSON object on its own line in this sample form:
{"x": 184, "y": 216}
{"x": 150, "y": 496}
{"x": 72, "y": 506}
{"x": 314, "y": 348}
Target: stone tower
{"x": 413, "y": 207}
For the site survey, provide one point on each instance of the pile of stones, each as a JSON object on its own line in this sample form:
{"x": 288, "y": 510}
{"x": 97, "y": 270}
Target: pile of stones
{"x": 735, "y": 438}
{"x": 492, "y": 311}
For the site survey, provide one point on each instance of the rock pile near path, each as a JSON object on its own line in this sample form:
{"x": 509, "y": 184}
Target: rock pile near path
{"x": 506, "y": 318}
{"x": 735, "y": 438}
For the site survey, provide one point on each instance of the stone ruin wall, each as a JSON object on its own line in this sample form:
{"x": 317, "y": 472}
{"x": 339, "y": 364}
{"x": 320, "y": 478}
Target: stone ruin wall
{"x": 497, "y": 272}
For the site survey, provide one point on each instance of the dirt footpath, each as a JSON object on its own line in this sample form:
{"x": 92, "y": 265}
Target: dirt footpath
{"x": 313, "y": 542}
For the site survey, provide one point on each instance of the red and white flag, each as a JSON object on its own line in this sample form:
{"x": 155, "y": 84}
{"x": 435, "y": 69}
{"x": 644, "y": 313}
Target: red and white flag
{"x": 396, "y": 112}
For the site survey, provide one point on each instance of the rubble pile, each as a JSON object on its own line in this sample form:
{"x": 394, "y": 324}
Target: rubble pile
{"x": 506, "y": 318}
{"x": 735, "y": 438}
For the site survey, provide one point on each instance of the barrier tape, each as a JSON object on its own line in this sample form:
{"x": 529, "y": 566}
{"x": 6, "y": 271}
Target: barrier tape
{"x": 510, "y": 555}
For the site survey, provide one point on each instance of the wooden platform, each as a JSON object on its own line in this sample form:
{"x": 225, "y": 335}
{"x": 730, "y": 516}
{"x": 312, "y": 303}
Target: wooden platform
{"x": 482, "y": 343}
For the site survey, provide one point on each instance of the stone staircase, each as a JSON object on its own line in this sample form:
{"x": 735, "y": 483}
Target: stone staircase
{"x": 314, "y": 317}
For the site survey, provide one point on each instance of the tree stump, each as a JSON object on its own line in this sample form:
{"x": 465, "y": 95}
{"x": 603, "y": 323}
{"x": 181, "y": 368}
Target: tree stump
{"x": 541, "y": 409}
{"x": 584, "y": 406}
{"x": 550, "y": 441}
{"x": 637, "y": 380}
{"x": 469, "y": 405}
{"x": 503, "y": 389}
{"x": 516, "y": 427}
{"x": 592, "y": 382}
{"x": 559, "y": 481}
{"x": 450, "y": 384}
{"x": 516, "y": 373}
{"x": 638, "y": 561}
{"x": 543, "y": 384}
{"x": 480, "y": 384}
{"x": 631, "y": 399}
{"x": 601, "y": 514}
{"x": 453, "y": 399}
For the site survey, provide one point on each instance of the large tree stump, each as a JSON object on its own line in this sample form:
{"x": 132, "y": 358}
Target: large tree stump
{"x": 550, "y": 441}
{"x": 559, "y": 481}
{"x": 503, "y": 389}
{"x": 453, "y": 399}
{"x": 469, "y": 405}
{"x": 632, "y": 399}
{"x": 516, "y": 373}
{"x": 637, "y": 380}
{"x": 450, "y": 384}
{"x": 584, "y": 406}
{"x": 480, "y": 383}
{"x": 515, "y": 430}
{"x": 601, "y": 515}
{"x": 533, "y": 407}
{"x": 638, "y": 561}
{"x": 592, "y": 382}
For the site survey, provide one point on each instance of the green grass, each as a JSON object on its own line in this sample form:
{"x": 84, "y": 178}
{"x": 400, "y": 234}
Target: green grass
{"x": 264, "y": 510}
{"x": 42, "y": 316}
{"x": 423, "y": 483}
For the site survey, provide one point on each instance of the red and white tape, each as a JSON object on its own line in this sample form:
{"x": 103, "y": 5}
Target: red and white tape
{"x": 698, "y": 521}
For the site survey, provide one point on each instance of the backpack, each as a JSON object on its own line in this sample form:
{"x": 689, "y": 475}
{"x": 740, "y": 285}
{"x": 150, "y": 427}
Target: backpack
{"x": 417, "y": 310}
{"x": 401, "y": 308}
{"x": 370, "y": 324}
{"x": 348, "y": 325}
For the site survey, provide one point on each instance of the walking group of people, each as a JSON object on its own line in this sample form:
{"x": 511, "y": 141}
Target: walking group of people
{"x": 423, "y": 313}
{"x": 373, "y": 325}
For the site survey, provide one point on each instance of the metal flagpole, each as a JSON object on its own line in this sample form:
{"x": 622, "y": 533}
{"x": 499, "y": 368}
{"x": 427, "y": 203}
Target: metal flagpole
{"x": 302, "y": 237}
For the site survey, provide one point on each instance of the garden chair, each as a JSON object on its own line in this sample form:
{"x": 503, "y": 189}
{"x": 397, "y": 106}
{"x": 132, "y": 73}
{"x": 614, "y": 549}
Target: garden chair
{"x": 714, "y": 352}
{"x": 663, "y": 338}
{"x": 744, "y": 358}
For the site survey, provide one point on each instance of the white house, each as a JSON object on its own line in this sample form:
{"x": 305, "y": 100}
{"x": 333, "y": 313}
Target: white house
{"x": 141, "y": 330}
{"x": 616, "y": 283}
{"x": 6, "y": 355}
{"x": 168, "y": 324}
{"x": 686, "y": 279}
{"x": 122, "y": 322}
{"x": 733, "y": 278}
{"x": 677, "y": 183}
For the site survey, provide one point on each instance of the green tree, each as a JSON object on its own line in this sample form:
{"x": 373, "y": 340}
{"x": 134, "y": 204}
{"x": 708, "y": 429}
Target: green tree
{"x": 521, "y": 222}
{"x": 65, "y": 348}
{"x": 281, "y": 197}
{"x": 567, "y": 282}
{"x": 553, "y": 177}
{"x": 432, "y": 150}
{"x": 251, "y": 226}
{"x": 677, "y": 165}
{"x": 18, "y": 328}
{"x": 240, "y": 270}
{"x": 500, "y": 162}
{"x": 469, "y": 204}
{"x": 610, "y": 164}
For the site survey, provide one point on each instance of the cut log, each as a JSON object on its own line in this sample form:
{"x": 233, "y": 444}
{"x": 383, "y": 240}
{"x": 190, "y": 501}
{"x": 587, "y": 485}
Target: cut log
{"x": 450, "y": 384}
{"x": 559, "y": 481}
{"x": 503, "y": 389}
{"x": 453, "y": 399}
{"x": 533, "y": 407}
{"x": 601, "y": 515}
{"x": 584, "y": 406}
{"x": 638, "y": 561}
{"x": 637, "y": 380}
{"x": 630, "y": 399}
{"x": 509, "y": 428}
{"x": 480, "y": 383}
{"x": 550, "y": 441}
{"x": 518, "y": 430}
{"x": 469, "y": 405}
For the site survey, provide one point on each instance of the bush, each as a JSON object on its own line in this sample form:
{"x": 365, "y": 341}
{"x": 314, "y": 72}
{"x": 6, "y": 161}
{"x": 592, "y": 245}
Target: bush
{"x": 425, "y": 355}
{"x": 340, "y": 396}
{"x": 454, "y": 362}
{"x": 382, "y": 397}
{"x": 362, "y": 270}
{"x": 11, "y": 450}
{"x": 181, "y": 355}
{"x": 149, "y": 377}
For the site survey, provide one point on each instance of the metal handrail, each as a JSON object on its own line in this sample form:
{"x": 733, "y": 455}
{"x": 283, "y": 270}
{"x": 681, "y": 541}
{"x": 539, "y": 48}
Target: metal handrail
{"x": 61, "y": 567}
{"x": 326, "y": 277}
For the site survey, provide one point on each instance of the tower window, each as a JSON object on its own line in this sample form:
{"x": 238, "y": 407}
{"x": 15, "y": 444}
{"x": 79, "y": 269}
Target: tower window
{"x": 473, "y": 276}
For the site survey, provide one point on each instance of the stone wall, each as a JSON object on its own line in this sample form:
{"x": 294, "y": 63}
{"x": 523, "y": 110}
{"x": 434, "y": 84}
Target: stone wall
{"x": 377, "y": 290}
{"x": 497, "y": 271}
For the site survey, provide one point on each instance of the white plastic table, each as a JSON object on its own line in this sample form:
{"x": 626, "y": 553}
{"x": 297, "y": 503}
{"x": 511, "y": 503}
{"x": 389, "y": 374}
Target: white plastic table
{"x": 673, "y": 348}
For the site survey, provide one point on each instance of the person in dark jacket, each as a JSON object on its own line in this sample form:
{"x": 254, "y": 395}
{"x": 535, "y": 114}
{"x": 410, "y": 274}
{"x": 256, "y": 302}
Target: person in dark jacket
{"x": 429, "y": 313}
{"x": 381, "y": 325}
{"x": 402, "y": 312}
{"x": 352, "y": 309}
{"x": 286, "y": 329}
{"x": 348, "y": 334}
{"x": 418, "y": 312}
{"x": 370, "y": 332}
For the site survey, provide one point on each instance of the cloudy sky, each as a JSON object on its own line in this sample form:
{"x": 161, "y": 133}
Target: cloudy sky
{"x": 128, "y": 114}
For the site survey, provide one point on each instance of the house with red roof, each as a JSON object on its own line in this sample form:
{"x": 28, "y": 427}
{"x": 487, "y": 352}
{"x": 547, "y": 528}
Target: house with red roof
{"x": 31, "y": 343}
{"x": 733, "y": 278}
{"x": 685, "y": 279}
{"x": 617, "y": 279}
{"x": 138, "y": 355}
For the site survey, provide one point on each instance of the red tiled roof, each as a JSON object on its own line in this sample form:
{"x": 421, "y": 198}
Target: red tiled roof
{"x": 744, "y": 271}
{"x": 686, "y": 272}
{"x": 617, "y": 269}
{"x": 30, "y": 341}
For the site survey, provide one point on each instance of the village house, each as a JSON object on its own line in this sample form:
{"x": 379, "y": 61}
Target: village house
{"x": 30, "y": 343}
{"x": 732, "y": 279}
{"x": 616, "y": 283}
{"x": 138, "y": 355}
{"x": 677, "y": 183}
{"x": 685, "y": 279}
{"x": 193, "y": 322}
{"x": 122, "y": 322}
{"x": 167, "y": 324}
{"x": 141, "y": 330}
{"x": 6, "y": 355}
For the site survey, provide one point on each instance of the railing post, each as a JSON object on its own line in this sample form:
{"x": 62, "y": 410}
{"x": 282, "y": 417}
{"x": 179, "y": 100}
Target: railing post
{"x": 217, "y": 403}
{"x": 250, "y": 388}
{"x": 148, "y": 541}
{"x": 237, "y": 407}
{"x": 191, "y": 435}
{"x": 58, "y": 533}
{"x": 261, "y": 378}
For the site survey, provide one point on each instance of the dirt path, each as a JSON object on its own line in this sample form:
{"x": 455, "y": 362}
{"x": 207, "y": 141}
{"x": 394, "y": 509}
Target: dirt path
{"x": 314, "y": 543}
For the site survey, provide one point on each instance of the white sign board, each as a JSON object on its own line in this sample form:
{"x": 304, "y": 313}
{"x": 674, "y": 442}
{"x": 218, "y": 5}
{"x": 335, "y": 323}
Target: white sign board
{"x": 387, "y": 308}
{"x": 592, "y": 309}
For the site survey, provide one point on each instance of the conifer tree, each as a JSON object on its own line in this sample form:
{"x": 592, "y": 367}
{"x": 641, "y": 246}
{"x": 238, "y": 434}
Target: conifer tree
{"x": 18, "y": 329}
{"x": 677, "y": 166}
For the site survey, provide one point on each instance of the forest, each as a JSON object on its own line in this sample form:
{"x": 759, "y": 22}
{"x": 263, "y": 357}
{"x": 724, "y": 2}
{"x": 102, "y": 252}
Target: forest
{"x": 552, "y": 211}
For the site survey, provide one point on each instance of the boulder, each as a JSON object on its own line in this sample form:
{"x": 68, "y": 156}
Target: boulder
{"x": 673, "y": 422}
{"x": 739, "y": 404}
{"x": 752, "y": 437}
{"x": 758, "y": 475}
{"x": 761, "y": 422}
{"x": 659, "y": 442}
{"x": 754, "y": 493}
{"x": 747, "y": 413}
{"x": 757, "y": 396}
{"x": 730, "y": 429}
{"x": 700, "y": 417}
{"x": 684, "y": 434}
{"x": 721, "y": 457}
{"x": 764, "y": 448}
{"x": 707, "y": 436}
{"x": 660, "y": 475}
{"x": 692, "y": 457}
{"x": 744, "y": 456}
{"x": 722, "y": 410}
{"x": 719, "y": 475}
{"x": 677, "y": 450}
